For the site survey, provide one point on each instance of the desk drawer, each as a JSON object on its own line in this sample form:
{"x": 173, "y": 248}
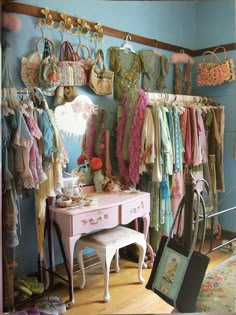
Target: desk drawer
{"x": 94, "y": 220}
{"x": 134, "y": 209}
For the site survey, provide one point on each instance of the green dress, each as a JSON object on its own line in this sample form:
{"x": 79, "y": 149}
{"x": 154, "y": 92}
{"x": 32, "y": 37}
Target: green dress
{"x": 126, "y": 66}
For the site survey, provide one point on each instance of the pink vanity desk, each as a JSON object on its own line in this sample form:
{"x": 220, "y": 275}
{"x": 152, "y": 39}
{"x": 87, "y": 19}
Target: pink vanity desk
{"x": 111, "y": 210}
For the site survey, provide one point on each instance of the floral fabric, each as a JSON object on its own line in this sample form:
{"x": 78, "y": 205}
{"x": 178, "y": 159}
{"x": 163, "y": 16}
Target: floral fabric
{"x": 218, "y": 291}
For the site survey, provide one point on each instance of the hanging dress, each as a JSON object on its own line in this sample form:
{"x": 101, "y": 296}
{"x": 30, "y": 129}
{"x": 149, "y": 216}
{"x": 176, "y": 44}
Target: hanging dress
{"x": 126, "y": 66}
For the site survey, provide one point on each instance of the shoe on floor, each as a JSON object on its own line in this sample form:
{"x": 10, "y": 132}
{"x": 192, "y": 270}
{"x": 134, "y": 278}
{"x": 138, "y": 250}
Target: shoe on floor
{"x": 46, "y": 309}
{"x": 56, "y": 302}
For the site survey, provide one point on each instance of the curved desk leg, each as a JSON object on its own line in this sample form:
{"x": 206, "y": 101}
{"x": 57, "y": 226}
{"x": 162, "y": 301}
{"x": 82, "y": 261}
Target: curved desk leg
{"x": 146, "y": 222}
{"x": 69, "y": 243}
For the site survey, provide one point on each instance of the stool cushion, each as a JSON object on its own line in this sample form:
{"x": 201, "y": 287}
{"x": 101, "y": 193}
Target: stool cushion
{"x": 111, "y": 237}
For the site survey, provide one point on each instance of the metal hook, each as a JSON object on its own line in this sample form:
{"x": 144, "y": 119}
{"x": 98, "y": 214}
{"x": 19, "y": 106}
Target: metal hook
{"x": 43, "y": 31}
{"x": 128, "y": 37}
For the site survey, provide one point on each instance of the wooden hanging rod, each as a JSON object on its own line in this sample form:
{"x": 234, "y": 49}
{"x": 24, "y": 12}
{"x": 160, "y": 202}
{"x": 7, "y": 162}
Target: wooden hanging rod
{"x": 36, "y": 12}
{"x": 56, "y": 16}
{"x": 199, "y": 52}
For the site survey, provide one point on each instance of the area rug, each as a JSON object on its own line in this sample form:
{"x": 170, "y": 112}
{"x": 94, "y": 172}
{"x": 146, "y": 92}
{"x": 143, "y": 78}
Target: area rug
{"x": 218, "y": 290}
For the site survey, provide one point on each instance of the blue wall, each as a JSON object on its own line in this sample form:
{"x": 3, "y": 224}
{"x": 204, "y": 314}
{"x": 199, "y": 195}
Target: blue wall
{"x": 183, "y": 23}
{"x": 217, "y": 27}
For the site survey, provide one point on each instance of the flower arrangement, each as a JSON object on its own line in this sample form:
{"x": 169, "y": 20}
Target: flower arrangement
{"x": 95, "y": 163}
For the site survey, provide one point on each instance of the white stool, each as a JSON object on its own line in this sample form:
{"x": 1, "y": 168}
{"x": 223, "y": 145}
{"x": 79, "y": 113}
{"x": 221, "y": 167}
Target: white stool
{"x": 107, "y": 243}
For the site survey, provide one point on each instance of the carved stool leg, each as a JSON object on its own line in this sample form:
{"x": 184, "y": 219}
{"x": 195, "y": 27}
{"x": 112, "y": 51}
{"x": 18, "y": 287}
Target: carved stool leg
{"x": 106, "y": 256}
{"x": 117, "y": 267}
{"x": 142, "y": 250}
{"x": 80, "y": 260}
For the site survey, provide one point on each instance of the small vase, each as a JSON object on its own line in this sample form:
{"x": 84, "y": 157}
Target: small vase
{"x": 88, "y": 178}
{"x": 98, "y": 180}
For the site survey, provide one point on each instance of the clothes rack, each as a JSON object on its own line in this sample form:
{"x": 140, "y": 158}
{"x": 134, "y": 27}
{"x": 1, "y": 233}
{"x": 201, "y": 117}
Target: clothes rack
{"x": 189, "y": 182}
{"x": 174, "y": 97}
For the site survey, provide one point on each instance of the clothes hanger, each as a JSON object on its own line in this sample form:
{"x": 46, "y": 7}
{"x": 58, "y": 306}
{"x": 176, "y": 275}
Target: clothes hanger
{"x": 127, "y": 46}
{"x": 23, "y": 106}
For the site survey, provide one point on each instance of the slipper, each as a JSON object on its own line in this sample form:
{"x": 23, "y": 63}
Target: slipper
{"x": 22, "y": 288}
{"x": 55, "y": 302}
{"x": 46, "y": 309}
{"x": 60, "y": 307}
{"x": 51, "y": 299}
{"x": 30, "y": 283}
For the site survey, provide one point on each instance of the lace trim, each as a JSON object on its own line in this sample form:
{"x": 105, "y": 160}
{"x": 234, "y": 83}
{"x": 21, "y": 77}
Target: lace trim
{"x": 28, "y": 182}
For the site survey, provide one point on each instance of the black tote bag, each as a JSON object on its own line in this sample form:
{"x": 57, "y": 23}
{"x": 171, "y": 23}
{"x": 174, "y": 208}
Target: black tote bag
{"x": 177, "y": 273}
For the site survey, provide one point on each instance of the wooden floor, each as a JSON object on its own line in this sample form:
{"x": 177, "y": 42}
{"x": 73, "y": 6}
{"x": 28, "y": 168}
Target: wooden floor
{"x": 128, "y": 296}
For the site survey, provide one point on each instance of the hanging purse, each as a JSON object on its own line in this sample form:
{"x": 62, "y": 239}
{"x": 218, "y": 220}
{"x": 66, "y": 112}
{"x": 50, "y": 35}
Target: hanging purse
{"x": 177, "y": 273}
{"x": 86, "y": 63}
{"x": 72, "y": 72}
{"x": 30, "y": 67}
{"x": 101, "y": 80}
{"x": 215, "y": 71}
{"x": 49, "y": 75}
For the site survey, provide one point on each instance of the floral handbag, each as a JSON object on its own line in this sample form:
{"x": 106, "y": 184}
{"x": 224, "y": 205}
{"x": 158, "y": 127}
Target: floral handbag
{"x": 215, "y": 71}
{"x": 30, "y": 67}
{"x": 72, "y": 72}
{"x": 101, "y": 80}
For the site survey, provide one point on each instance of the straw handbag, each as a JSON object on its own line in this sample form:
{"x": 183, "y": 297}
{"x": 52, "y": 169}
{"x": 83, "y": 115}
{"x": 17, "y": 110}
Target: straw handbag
{"x": 215, "y": 71}
{"x": 101, "y": 80}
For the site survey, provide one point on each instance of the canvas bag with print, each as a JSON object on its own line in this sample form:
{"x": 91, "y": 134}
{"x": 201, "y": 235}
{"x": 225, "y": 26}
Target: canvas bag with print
{"x": 178, "y": 273}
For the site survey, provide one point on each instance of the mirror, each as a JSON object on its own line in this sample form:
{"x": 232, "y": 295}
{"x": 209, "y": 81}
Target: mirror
{"x": 72, "y": 119}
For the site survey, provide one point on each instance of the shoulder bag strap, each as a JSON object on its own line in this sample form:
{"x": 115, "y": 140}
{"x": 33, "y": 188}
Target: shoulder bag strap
{"x": 224, "y": 51}
{"x": 68, "y": 54}
{"x": 81, "y": 46}
{"x": 212, "y": 54}
{"x": 98, "y": 55}
{"x": 49, "y": 42}
{"x": 178, "y": 215}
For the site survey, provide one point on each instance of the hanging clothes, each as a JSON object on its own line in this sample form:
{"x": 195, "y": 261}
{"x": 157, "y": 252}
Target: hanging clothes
{"x": 183, "y": 78}
{"x": 155, "y": 68}
{"x": 185, "y": 133}
{"x": 157, "y": 165}
{"x": 129, "y": 129}
{"x": 126, "y": 66}
{"x": 53, "y": 160}
{"x": 147, "y": 150}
